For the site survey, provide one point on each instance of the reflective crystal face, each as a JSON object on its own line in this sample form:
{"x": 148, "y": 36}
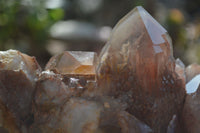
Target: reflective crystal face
{"x": 73, "y": 62}
{"x": 192, "y": 85}
{"x": 138, "y": 61}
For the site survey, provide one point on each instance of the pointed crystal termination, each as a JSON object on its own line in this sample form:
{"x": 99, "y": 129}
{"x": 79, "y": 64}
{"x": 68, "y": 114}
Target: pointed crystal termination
{"x": 76, "y": 63}
{"x": 137, "y": 63}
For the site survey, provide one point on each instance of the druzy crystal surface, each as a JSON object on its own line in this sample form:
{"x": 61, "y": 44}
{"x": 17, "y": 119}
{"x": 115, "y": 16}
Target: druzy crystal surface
{"x": 138, "y": 62}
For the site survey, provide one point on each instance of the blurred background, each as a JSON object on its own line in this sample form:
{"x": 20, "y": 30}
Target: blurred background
{"x": 42, "y": 28}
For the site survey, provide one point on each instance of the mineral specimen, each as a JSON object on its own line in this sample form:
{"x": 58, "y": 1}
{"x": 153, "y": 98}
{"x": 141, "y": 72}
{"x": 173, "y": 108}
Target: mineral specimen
{"x": 191, "y": 110}
{"x": 18, "y": 74}
{"x": 191, "y": 71}
{"x": 138, "y": 62}
{"x": 135, "y": 86}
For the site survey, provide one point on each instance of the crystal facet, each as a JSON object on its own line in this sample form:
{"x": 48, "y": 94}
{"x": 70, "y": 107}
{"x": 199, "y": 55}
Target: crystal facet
{"x": 192, "y": 85}
{"x": 138, "y": 62}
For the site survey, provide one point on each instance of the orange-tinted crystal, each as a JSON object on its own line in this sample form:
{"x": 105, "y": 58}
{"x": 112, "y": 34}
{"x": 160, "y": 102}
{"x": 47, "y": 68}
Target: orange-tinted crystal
{"x": 73, "y": 62}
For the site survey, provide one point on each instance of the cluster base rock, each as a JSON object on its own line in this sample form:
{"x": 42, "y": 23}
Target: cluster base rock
{"x": 134, "y": 86}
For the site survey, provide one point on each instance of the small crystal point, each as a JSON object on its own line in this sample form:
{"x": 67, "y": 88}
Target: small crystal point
{"x": 138, "y": 60}
{"x": 73, "y": 63}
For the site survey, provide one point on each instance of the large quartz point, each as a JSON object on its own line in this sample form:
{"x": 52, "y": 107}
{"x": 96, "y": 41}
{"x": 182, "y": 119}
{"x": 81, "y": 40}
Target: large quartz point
{"x": 18, "y": 74}
{"x": 138, "y": 66}
{"x": 74, "y": 63}
{"x": 191, "y": 71}
{"x": 191, "y": 110}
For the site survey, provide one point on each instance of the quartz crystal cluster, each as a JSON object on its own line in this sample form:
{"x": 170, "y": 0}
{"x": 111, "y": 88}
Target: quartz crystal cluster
{"x": 134, "y": 86}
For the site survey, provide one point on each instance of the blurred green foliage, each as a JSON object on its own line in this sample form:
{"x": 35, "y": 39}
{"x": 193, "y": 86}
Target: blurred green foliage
{"x": 26, "y": 22}
{"x": 175, "y": 22}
